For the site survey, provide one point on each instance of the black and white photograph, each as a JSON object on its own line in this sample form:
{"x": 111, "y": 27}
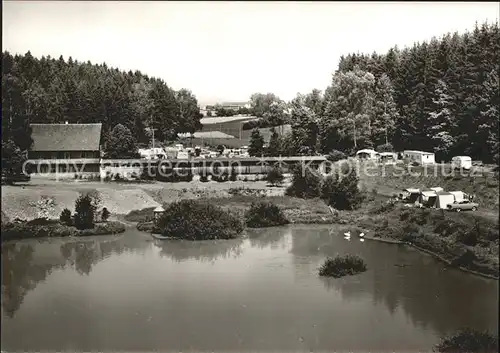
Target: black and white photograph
{"x": 250, "y": 176}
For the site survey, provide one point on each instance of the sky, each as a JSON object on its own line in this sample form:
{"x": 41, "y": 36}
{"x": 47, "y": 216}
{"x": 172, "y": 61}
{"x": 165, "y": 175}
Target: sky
{"x": 225, "y": 51}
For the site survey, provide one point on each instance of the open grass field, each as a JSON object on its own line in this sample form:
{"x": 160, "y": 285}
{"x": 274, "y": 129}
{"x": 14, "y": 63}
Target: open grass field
{"x": 232, "y": 127}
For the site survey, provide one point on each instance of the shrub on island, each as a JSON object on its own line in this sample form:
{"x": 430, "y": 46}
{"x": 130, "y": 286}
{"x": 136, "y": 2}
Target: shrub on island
{"x": 197, "y": 220}
{"x": 341, "y": 266}
{"x": 39, "y": 228}
{"x": 469, "y": 341}
{"x": 264, "y": 214}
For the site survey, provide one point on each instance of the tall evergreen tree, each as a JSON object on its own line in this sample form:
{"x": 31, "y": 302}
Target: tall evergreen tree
{"x": 256, "y": 148}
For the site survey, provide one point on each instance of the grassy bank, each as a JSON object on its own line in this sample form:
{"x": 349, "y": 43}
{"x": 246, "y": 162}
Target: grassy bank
{"x": 467, "y": 241}
{"x": 52, "y": 228}
{"x": 389, "y": 179}
{"x": 296, "y": 210}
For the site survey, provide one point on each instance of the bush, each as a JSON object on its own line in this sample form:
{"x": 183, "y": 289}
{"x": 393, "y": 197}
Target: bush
{"x": 264, "y": 214}
{"x": 41, "y": 222}
{"x": 409, "y": 232}
{"x": 386, "y": 147}
{"x": 233, "y": 176}
{"x": 65, "y": 217}
{"x": 336, "y": 155}
{"x": 85, "y": 209}
{"x": 464, "y": 260}
{"x": 446, "y": 227}
{"x": 342, "y": 193}
{"x": 53, "y": 228}
{"x": 203, "y": 178}
{"x": 195, "y": 220}
{"x": 405, "y": 214}
{"x": 275, "y": 176}
{"x": 469, "y": 341}
{"x": 105, "y": 214}
{"x": 383, "y": 207}
{"x": 144, "y": 215}
{"x": 305, "y": 183}
{"x": 467, "y": 237}
{"x": 342, "y": 266}
{"x": 220, "y": 177}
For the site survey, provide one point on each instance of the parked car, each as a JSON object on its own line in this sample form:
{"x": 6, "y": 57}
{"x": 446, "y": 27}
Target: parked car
{"x": 463, "y": 206}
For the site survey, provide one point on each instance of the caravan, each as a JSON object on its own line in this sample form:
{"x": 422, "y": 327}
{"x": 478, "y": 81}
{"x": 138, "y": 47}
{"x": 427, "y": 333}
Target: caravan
{"x": 419, "y": 157}
{"x": 367, "y": 154}
{"x": 461, "y": 162}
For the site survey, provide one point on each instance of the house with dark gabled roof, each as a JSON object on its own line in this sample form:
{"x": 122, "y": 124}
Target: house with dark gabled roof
{"x": 65, "y": 141}
{"x": 66, "y": 148}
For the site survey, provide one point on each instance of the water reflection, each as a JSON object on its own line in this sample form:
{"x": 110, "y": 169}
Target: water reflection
{"x": 203, "y": 251}
{"x": 25, "y": 264}
{"x": 275, "y": 238}
{"x": 263, "y": 293}
{"x": 19, "y": 275}
{"x": 402, "y": 278}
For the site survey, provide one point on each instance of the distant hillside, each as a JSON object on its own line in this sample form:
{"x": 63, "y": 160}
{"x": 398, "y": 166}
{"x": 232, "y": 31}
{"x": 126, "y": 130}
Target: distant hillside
{"x": 245, "y": 137}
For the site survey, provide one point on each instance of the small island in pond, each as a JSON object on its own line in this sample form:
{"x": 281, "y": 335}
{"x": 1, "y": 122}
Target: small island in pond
{"x": 341, "y": 266}
{"x": 195, "y": 220}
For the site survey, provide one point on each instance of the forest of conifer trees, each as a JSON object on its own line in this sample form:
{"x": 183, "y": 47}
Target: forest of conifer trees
{"x": 445, "y": 96}
{"x": 440, "y": 96}
{"x": 48, "y": 90}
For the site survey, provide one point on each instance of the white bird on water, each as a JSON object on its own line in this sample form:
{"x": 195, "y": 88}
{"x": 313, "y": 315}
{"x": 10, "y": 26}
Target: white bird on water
{"x": 361, "y": 240}
{"x": 347, "y": 235}
{"x": 361, "y": 235}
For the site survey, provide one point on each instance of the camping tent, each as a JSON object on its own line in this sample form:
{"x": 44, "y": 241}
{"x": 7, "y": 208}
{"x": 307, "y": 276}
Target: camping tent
{"x": 367, "y": 154}
{"x": 459, "y": 195}
{"x": 411, "y": 195}
{"x": 427, "y": 198}
{"x": 444, "y": 199}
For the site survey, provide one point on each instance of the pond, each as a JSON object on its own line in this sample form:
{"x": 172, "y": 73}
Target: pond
{"x": 132, "y": 293}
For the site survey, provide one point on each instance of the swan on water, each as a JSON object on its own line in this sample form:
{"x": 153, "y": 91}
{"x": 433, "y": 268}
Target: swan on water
{"x": 361, "y": 235}
{"x": 361, "y": 240}
{"x": 347, "y": 234}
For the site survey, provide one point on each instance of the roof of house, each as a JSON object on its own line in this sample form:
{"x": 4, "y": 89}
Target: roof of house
{"x": 367, "y": 151}
{"x": 234, "y": 103}
{"x": 66, "y": 137}
{"x": 418, "y": 152}
{"x": 208, "y": 134}
{"x": 226, "y": 119}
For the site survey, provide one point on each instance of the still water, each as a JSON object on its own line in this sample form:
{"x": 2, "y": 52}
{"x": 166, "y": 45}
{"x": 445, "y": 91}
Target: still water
{"x": 131, "y": 293}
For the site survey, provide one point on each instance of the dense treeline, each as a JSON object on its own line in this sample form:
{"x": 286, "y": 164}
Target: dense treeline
{"x": 440, "y": 96}
{"x": 446, "y": 91}
{"x": 49, "y": 90}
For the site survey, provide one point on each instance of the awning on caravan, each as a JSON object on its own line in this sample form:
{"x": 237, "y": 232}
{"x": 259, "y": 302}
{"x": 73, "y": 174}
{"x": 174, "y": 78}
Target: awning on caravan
{"x": 428, "y": 193}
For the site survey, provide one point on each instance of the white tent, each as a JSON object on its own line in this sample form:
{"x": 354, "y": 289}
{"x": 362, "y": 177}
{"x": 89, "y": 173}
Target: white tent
{"x": 444, "y": 199}
{"x": 367, "y": 153}
{"x": 426, "y": 196}
{"x": 459, "y": 195}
